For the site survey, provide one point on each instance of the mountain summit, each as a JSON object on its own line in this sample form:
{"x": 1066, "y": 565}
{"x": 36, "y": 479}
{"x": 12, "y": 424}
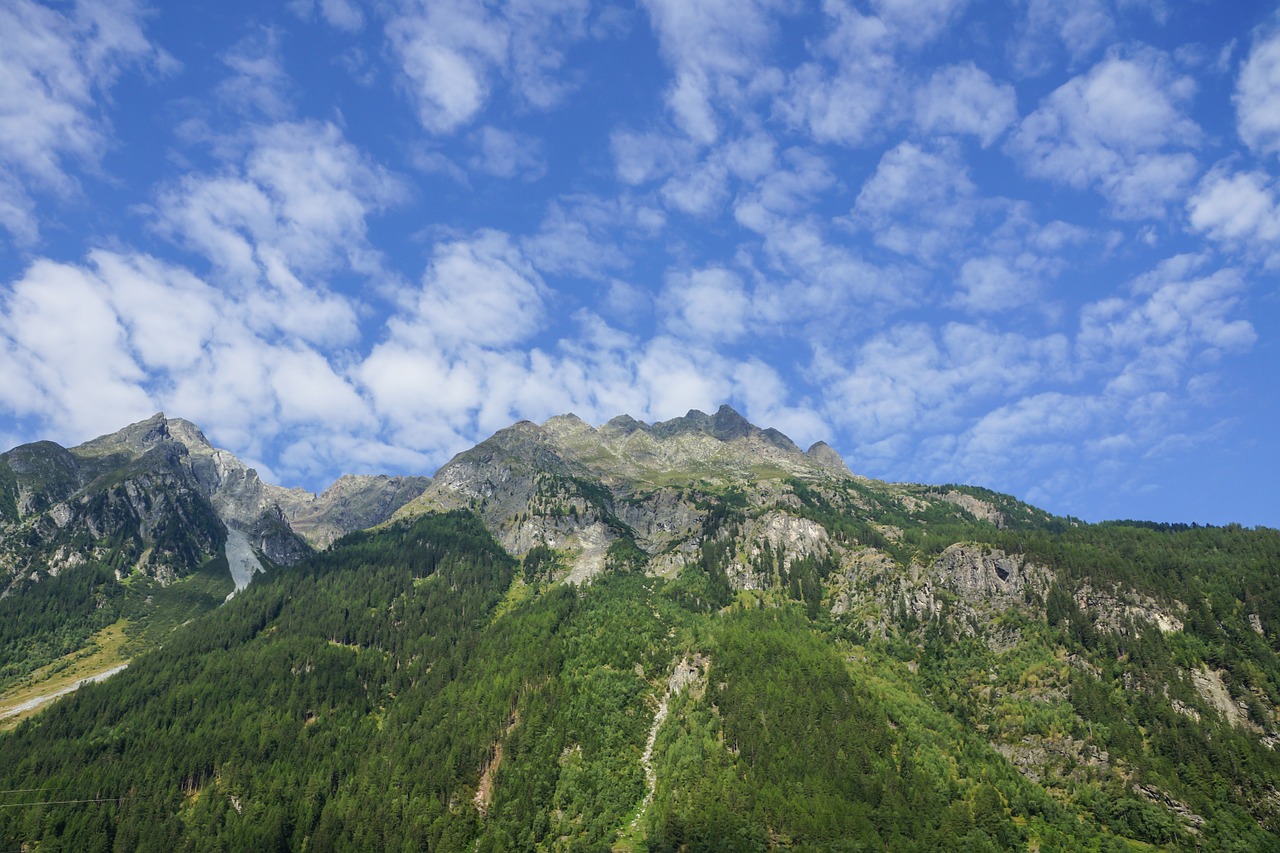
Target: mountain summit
{"x": 647, "y": 489}
{"x": 157, "y": 498}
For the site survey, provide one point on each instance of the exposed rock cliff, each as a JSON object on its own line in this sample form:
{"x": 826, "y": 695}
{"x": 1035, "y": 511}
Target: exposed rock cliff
{"x": 578, "y": 489}
{"x": 158, "y": 497}
{"x": 353, "y": 502}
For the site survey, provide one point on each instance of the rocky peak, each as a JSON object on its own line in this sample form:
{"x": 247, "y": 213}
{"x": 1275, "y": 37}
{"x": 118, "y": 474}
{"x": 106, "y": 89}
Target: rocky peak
{"x": 187, "y": 433}
{"x": 353, "y": 502}
{"x": 726, "y": 425}
{"x": 828, "y": 458}
{"x": 134, "y": 439}
{"x": 624, "y": 424}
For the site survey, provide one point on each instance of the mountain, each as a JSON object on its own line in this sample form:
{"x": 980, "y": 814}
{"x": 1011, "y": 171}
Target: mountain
{"x": 353, "y": 502}
{"x": 684, "y": 635}
{"x": 143, "y": 509}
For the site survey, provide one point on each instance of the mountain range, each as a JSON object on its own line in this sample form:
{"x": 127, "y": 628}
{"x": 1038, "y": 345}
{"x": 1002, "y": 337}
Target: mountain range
{"x": 690, "y": 634}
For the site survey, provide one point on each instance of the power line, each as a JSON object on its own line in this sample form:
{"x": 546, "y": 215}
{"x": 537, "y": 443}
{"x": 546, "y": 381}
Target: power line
{"x": 65, "y": 802}
{"x": 20, "y": 790}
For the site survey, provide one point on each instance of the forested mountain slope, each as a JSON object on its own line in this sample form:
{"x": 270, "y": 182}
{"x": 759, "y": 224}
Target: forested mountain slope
{"x": 151, "y": 524}
{"x": 693, "y": 635}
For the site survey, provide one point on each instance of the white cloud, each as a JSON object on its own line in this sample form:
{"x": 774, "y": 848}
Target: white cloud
{"x": 341, "y": 14}
{"x": 152, "y": 336}
{"x": 852, "y": 92}
{"x": 540, "y": 32}
{"x": 821, "y": 284}
{"x": 80, "y": 389}
{"x": 452, "y": 51}
{"x": 258, "y": 84}
{"x": 911, "y": 378}
{"x": 720, "y": 36}
{"x": 169, "y": 313}
{"x": 1257, "y": 96}
{"x": 788, "y": 188}
{"x": 304, "y": 194}
{"x": 993, "y": 283}
{"x": 918, "y": 201}
{"x": 298, "y": 208}
{"x": 850, "y": 97}
{"x": 1149, "y": 184}
{"x": 918, "y": 22}
{"x": 1081, "y": 28}
{"x": 1040, "y": 431}
{"x": 1117, "y": 129}
{"x": 712, "y": 47}
{"x": 702, "y": 182}
{"x": 964, "y": 99}
{"x": 1175, "y": 316}
{"x": 706, "y": 305}
{"x": 505, "y": 154}
{"x": 482, "y": 291}
{"x": 700, "y": 191}
{"x": 643, "y": 157}
{"x": 52, "y": 69}
{"x": 1241, "y": 211}
{"x": 448, "y": 51}
{"x": 972, "y": 402}
{"x": 17, "y": 211}
{"x": 576, "y": 238}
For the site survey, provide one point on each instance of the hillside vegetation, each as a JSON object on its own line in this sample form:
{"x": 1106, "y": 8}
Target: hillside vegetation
{"x": 552, "y": 649}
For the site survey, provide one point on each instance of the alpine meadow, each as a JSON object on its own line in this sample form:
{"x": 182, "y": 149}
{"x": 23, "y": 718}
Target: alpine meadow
{"x": 639, "y": 425}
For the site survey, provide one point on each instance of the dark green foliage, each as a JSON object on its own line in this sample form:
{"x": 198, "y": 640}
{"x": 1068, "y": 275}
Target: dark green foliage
{"x": 539, "y": 564}
{"x": 46, "y": 616}
{"x": 8, "y": 493}
{"x": 41, "y": 622}
{"x": 625, "y": 556}
{"x": 705, "y": 586}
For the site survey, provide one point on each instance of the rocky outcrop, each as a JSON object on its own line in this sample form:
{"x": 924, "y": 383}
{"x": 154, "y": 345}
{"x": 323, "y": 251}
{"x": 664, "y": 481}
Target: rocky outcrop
{"x": 528, "y": 494}
{"x": 966, "y": 584}
{"x": 1117, "y": 611}
{"x": 826, "y": 457}
{"x": 979, "y": 575}
{"x": 784, "y": 537}
{"x": 976, "y": 507}
{"x": 1053, "y": 759}
{"x": 159, "y": 498}
{"x": 132, "y": 504}
{"x": 720, "y": 446}
{"x": 579, "y": 488}
{"x": 1210, "y": 684}
{"x": 353, "y": 502}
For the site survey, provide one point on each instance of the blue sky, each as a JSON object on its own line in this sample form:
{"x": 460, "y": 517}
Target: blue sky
{"x": 1029, "y": 245}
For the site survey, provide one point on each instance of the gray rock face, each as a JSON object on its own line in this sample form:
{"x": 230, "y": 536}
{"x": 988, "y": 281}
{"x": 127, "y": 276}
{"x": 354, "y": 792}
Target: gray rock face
{"x": 1118, "y": 611}
{"x": 723, "y": 445}
{"x": 353, "y": 502}
{"x": 823, "y": 454}
{"x": 152, "y": 497}
{"x": 578, "y": 488}
{"x": 528, "y": 494}
{"x": 968, "y": 584}
{"x": 157, "y": 497}
{"x": 979, "y": 574}
{"x": 129, "y": 499}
